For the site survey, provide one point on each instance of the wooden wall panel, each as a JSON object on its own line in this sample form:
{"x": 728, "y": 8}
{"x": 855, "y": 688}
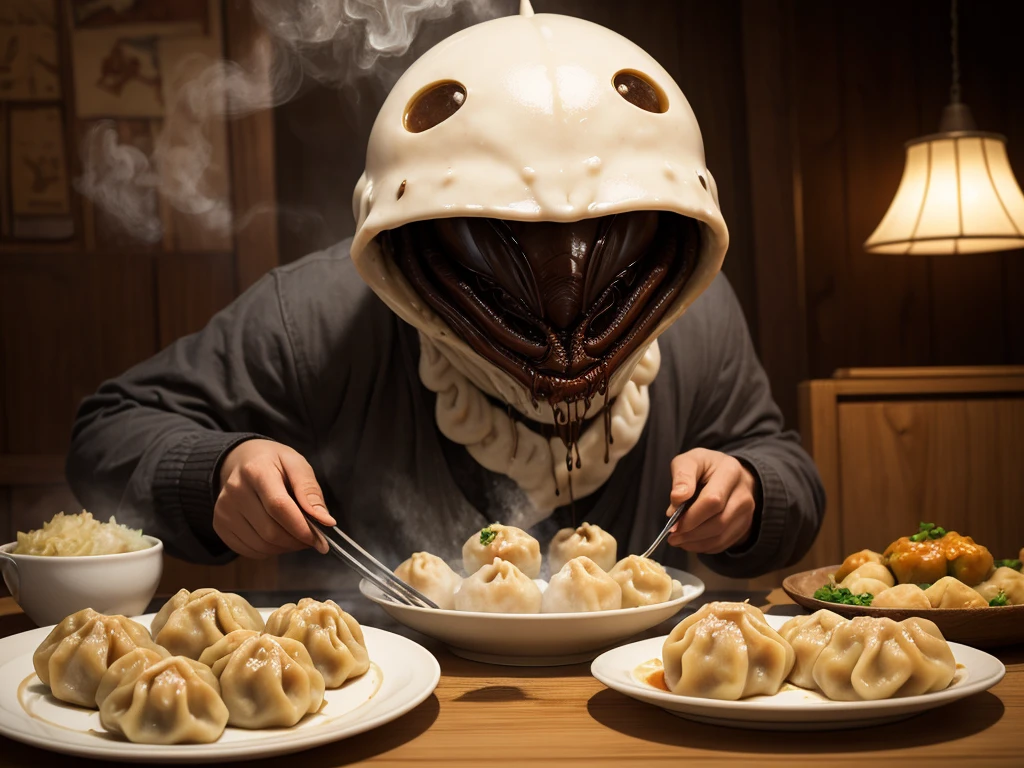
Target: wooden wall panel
{"x": 68, "y": 322}
{"x": 955, "y": 463}
{"x": 191, "y": 288}
{"x": 887, "y": 296}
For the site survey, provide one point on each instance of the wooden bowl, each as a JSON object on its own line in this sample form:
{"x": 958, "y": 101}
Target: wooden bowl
{"x": 978, "y": 627}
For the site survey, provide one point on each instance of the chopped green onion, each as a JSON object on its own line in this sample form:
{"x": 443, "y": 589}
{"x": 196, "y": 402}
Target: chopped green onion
{"x": 830, "y": 593}
{"x": 999, "y": 600}
{"x": 487, "y": 535}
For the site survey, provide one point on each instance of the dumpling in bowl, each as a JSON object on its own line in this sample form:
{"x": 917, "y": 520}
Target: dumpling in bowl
{"x": 855, "y": 561}
{"x": 726, "y": 651}
{"x": 431, "y": 576}
{"x": 190, "y": 622}
{"x": 950, "y": 592}
{"x": 505, "y": 541}
{"x": 75, "y": 655}
{"x": 860, "y": 585}
{"x": 587, "y": 540}
{"x": 909, "y": 596}
{"x": 870, "y": 659}
{"x": 1007, "y": 581}
{"x": 643, "y": 581}
{"x": 333, "y": 638}
{"x": 579, "y": 587}
{"x": 808, "y": 635}
{"x": 874, "y": 571}
{"x": 267, "y": 682}
{"x": 498, "y": 587}
{"x": 170, "y": 700}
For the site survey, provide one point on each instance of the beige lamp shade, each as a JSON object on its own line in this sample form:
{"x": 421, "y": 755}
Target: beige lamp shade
{"x": 958, "y": 194}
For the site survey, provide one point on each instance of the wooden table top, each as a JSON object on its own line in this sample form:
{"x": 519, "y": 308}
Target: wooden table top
{"x": 482, "y": 714}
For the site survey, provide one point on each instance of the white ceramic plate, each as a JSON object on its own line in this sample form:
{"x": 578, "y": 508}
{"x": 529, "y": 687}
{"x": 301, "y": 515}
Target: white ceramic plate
{"x": 792, "y": 709}
{"x": 401, "y": 676}
{"x": 537, "y": 639}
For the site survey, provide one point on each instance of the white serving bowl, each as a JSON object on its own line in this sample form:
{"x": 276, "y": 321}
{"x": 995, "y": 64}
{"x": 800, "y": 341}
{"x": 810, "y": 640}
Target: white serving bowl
{"x": 534, "y": 639}
{"x": 49, "y": 588}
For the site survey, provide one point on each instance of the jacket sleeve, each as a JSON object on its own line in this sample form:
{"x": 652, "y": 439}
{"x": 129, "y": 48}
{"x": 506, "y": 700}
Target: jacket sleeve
{"x": 149, "y": 444}
{"x": 734, "y": 413}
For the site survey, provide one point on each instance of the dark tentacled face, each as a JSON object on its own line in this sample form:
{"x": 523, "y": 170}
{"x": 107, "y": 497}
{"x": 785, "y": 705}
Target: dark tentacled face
{"x": 559, "y": 307}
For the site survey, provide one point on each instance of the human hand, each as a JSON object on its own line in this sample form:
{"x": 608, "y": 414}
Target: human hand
{"x": 256, "y": 513}
{"x": 723, "y": 513}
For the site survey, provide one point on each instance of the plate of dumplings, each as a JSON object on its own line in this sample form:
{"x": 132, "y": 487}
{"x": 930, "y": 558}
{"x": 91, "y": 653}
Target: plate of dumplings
{"x": 950, "y": 579}
{"x": 209, "y": 678}
{"x": 730, "y": 664}
{"x": 496, "y": 606}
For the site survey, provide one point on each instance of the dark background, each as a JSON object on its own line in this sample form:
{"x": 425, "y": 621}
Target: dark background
{"x": 804, "y": 107}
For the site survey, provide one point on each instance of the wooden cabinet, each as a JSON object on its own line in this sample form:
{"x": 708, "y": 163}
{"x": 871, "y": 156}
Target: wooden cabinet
{"x": 900, "y": 446}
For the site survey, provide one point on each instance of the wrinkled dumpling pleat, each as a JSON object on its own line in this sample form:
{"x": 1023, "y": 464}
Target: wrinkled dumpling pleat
{"x": 584, "y": 541}
{"x": 580, "y": 587}
{"x": 642, "y": 580}
{"x": 432, "y": 576}
{"x": 268, "y": 682}
{"x": 76, "y": 654}
{"x": 506, "y": 542}
{"x": 950, "y": 592}
{"x": 1007, "y": 581}
{"x": 190, "y": 622}
{"x": 870, "y": 658}
{"x": 726, "y": 651}
{"x": 333, "y": 638}
{"x": 808, "y": 635}
{"x": 902, "y": 596}
{"x": 172, "y": 700}
{"x": 498, "y": 587}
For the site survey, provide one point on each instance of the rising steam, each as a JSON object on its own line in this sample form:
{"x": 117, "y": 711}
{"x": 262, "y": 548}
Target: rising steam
{"x": 333, "y": 42}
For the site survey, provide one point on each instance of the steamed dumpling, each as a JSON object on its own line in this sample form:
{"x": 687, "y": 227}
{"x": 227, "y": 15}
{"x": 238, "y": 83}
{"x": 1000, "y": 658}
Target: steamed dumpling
{"x": 226, "y": 646}
{"x": 909, "y": 596}
{"x": 726, "y": 651}
{"x": 498, "y": 587}
{"x": 808, "y": 635}
{"x": 171, "y": 700}
{"x": 856, "y": 560}
{"x": 950, "y": 592}
{"x": 588, "y": 540}
{"x": 190, "y": 622}
{"x": 875, "y": 571}
{"x": 870, "y": 659}
{"x": 75, "y": 655}
{"x": 333, "y": 638}
{"x": 132, "y": 663}
{"x": 431, "y": 576}
{"x": 505, "y": 541}
{"x": 267, "y": 681}
{"x": 860, "y": 585}
{"x": 1004, "y": 580}
{"x": 581, "y": 586}
{"x": 643, "y": 581}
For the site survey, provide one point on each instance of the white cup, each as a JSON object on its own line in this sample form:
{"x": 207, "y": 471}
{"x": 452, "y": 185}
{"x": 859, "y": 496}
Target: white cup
{"x": 50, "y": 588}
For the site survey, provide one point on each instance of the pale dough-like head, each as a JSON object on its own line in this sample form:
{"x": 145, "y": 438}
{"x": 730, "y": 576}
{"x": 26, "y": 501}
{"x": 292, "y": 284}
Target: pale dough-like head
{"x": 542, "y": 135}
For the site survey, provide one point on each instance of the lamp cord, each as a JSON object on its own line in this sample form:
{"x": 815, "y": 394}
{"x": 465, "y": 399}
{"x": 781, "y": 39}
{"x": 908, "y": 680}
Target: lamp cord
{"x": 954, "y": 37}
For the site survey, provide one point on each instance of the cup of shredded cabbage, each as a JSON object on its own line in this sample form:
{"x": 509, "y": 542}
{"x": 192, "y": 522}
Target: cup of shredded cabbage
{"x": 77, "y": 561}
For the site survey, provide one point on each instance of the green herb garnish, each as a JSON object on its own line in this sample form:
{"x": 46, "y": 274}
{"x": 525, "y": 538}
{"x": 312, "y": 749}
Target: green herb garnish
{"x": 999, "y": 600}
{"x": 487, "y": 535}
{"x": 1015, "y": 564}
{"x": 830, "y": 593}
{"x": 924, "y": 586}
{"x": 928, "y": 531}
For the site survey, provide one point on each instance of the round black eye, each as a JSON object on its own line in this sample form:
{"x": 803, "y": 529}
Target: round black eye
{"x": 433, "y": 105}
{"x": 640, "y": 92}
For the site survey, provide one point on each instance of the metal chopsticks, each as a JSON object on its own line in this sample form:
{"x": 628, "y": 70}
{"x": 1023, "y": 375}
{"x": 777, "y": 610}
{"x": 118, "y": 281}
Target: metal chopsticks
{"x": 346, "y": 549}
{"x": 680, "y": 510}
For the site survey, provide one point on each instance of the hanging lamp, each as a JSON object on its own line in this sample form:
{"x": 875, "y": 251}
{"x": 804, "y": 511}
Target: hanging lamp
{"x": 958, "y": 193}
